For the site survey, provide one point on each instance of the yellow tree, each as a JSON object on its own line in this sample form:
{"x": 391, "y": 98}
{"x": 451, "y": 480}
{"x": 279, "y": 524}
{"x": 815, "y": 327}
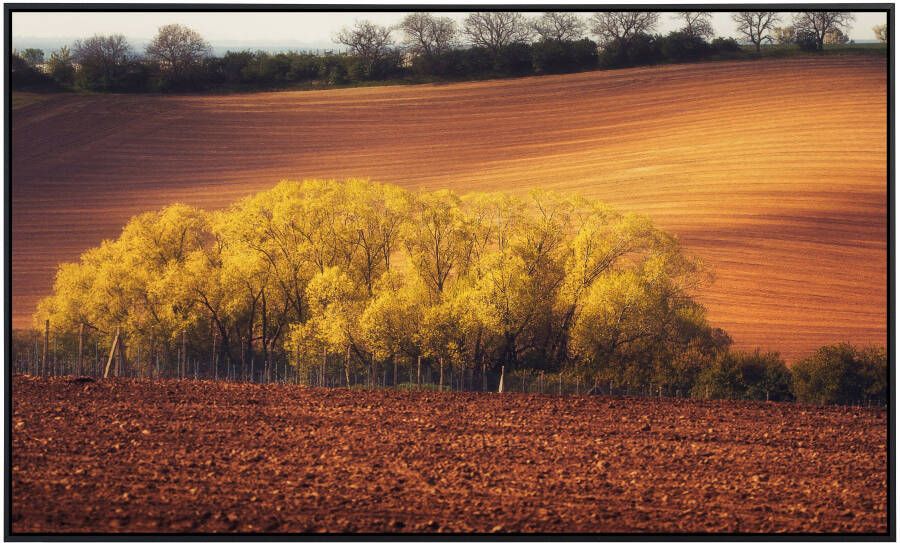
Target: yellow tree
{"x": 375, "y": 216}
{"x": 436, "y": 239}
{"x": 632, "y": 314}
{"x": 390, "y": 323}
{"x": 336, "y": 304}
{"x": 247, "y": 276}
{"x": 126, "y": 284}
{"x": 450, "y": 332}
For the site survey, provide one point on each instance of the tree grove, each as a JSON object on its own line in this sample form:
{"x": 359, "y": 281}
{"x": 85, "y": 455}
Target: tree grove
{"x": 357, "y": 272}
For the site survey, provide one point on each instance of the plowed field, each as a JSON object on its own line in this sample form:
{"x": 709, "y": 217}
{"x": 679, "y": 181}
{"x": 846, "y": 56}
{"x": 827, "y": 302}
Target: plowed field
{"x": 168, "y": 456}
{"x": 774, "y": 172}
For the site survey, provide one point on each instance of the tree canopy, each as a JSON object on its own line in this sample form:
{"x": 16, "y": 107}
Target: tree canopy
{"x": 358, "y": 271}
{"x": 355, "y": 274}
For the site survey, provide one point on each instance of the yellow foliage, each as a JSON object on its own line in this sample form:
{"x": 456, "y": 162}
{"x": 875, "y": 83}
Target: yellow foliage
{"x": 329, "y": 268}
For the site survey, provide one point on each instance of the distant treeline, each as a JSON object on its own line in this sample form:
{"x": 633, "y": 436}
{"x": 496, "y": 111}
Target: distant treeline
{"x": 339, "y": 283}
{"x": 488, "y": 44}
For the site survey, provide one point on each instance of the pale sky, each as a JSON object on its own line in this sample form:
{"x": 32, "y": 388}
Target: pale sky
{"x": 273, "y": 27}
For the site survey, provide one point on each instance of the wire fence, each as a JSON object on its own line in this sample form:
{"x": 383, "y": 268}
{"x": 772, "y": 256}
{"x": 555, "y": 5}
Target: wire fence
{"x": 98, "y": 356}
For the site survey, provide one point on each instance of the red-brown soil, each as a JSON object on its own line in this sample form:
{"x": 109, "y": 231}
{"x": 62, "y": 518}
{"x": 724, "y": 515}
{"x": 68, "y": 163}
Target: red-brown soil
{"x": 138, "y": 456}
{"x": 774, "y": 172}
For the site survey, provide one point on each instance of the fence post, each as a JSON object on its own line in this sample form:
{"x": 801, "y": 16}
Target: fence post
{"x": 347, "y": 366}
{"x": 502, "y": 378}
{"x": 112, "y": 353}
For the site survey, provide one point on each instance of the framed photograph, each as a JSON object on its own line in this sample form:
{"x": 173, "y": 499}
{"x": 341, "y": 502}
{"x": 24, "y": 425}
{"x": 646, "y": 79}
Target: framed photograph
{"x": 483, "y": 271}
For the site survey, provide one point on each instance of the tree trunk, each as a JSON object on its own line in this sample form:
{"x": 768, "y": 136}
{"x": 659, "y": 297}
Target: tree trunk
{"x": 322, "y": 372}
{"x": 45, "y": 357}
{"x": 419, "y": 372}
{"x": 250, "y": 338}
{"x": 120, "y": 361}
{"x": 80, "y": 367}
{"x": 441, "y": 381}
{"x": 215, "y": 358}
{"x": 265, "y": 348}
{"x": 182, "y": 364}
{"x": 243, "y": 349}
{"x": 395, "y": 372}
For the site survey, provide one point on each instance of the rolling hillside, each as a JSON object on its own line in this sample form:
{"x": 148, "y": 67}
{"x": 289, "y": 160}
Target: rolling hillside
{"x": 774, "y": 172}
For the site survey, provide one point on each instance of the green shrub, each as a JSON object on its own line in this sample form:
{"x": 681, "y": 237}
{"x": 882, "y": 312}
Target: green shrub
{"x": 806, "y": 40}
{"x": 25, "y": 76}
{"x": 639, "y": 50}
{"x": 514, "y": 59}
{"x": 554, "y": 56}
{"x": 682, "y": 47}
{"x": 725, "y": 45}
{"x": 842, "y": 374}
{"x": 745, "y": 376}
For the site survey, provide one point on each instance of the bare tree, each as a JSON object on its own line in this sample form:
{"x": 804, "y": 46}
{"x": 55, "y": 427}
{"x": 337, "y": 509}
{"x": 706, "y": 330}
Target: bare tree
{"x": 112, "y": 49}
{"x": 610, "y": 26}
{"x": 756, "y": 26}
{"x": 102, "y": 58}
{"x": 696, "y": 23}
{"x": 559, "y": 26}
{"x": 820, "y": 23}
{"x": 367, "y": 40}
{"x": 425, "y": 34}
{"x": 177, "y": 48}
{"x": 880, "y": 33}
{"x": 496, "y": 29}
